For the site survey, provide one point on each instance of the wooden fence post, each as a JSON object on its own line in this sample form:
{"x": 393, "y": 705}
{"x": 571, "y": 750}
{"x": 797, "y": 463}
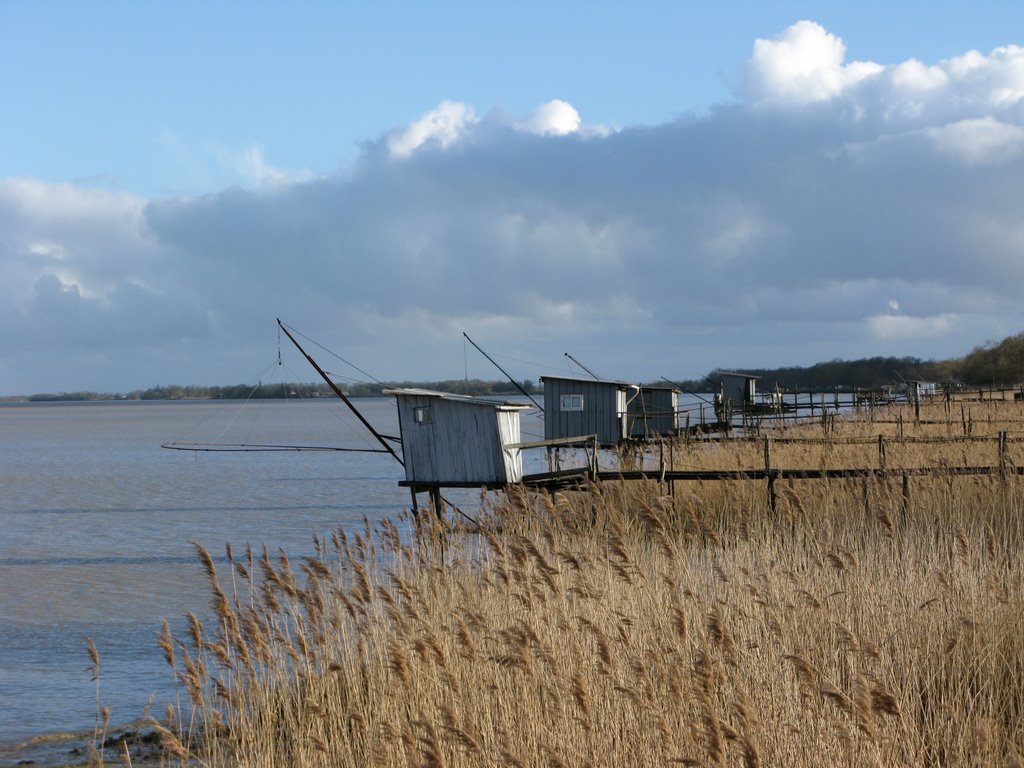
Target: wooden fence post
{"x": 772, "y": 498}
{"x": 1002, "y": 456}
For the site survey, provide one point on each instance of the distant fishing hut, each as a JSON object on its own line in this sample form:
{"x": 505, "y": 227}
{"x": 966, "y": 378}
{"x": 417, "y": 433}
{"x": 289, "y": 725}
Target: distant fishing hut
{"x": 654, "y": 412}
{"x": 919, "y": 389}
{"x": 740, "y": 389}
{"x": 577, "y": 406}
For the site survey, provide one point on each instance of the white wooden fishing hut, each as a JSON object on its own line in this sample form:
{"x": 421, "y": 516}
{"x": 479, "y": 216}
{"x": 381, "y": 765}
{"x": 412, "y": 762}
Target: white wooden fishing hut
{"x": 920, "y": 389}
{"x": 458, "y": 441}
{"x": 654, "y": 412}
{"x": 577, "y": 406}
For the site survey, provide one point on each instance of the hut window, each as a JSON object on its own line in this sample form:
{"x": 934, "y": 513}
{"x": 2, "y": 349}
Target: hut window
{"x": 421, "y": 414}
{"x": 572, "y": 402}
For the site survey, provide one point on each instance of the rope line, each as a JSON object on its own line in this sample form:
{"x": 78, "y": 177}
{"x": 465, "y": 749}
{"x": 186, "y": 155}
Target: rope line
{"x": 335, "y": 354}
{"x": 256, "y": 448}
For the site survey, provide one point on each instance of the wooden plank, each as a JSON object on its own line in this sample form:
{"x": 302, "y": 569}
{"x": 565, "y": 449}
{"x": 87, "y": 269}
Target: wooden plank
{"x": 581, "y": 440}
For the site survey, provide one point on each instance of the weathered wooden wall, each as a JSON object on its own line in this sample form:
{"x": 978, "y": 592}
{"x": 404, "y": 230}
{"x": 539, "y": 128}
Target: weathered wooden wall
{"x": 462, "y": 443}
{"x": 654, "y": 412}
{"x": 604, "y": 407}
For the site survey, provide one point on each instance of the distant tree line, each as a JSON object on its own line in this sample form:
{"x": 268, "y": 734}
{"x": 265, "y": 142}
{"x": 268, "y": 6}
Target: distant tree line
{"x": 474, "y": 387}
{"x": 992, "y": 364}
{"x": 998, "y": 364}
{"x": 262, "y": 391}
{"x": 870, "y": 373}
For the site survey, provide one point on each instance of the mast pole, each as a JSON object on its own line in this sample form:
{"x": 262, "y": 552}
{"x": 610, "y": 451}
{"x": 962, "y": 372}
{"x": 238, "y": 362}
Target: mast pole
{"x": 339, "y": 393}
{"x": 581, "y": 365}
{"x": 514, "y": 382}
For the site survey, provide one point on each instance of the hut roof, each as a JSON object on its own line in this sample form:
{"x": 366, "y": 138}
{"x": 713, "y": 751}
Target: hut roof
{"x": 588, "y": 380}
{"x": 502, "y": 405}
{"x": 737, "y": 373}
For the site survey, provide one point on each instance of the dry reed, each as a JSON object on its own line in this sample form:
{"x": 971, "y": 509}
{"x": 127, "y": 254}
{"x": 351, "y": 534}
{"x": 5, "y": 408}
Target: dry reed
{"x": 628, "y": 625}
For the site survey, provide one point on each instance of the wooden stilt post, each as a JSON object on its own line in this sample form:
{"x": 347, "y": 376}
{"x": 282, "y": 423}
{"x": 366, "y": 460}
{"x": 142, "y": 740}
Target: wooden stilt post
{"x": 661, "y": 460}
{"x": 437, "y": 503}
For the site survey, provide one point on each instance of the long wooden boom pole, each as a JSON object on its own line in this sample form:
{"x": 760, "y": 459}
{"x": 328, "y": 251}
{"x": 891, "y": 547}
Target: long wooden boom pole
{"x": 581, "y": 365}
{"x": 514, "y": 382}
{"x": 341, "y": 394}
{"x": 699, "y": 397}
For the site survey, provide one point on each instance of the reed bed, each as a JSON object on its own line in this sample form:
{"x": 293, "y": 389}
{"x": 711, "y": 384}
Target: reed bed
{"x": 935, "y": 434}
{"x": 623, "y": 625}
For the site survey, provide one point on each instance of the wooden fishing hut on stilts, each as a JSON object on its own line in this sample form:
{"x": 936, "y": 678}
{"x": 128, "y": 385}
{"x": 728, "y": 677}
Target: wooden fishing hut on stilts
{"x": 739, "y": 389}
{"x": 577, "y": 406}
{"x": 456, "y": 441}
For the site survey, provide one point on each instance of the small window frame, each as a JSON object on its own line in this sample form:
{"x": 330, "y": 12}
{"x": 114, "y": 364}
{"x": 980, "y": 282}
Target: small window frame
{"x": 421, "y": 414}
{"x": 571, "y": 402}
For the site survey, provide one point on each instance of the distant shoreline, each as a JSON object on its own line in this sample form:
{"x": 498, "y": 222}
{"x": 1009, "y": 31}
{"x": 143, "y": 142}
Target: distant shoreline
{"x": 283, "y": 391}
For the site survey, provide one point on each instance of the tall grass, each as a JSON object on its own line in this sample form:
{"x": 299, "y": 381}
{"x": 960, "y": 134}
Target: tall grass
{"x": 625, "y": 625}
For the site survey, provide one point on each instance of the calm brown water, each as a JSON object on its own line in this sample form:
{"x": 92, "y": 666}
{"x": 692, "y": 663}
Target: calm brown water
{"x": 96, "y": 519}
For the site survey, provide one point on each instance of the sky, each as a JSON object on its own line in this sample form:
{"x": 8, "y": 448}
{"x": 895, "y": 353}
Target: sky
{"x": 658, "y": 189}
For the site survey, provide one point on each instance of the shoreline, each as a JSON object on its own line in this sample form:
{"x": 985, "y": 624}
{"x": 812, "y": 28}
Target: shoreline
{"x": 73, "y": 748}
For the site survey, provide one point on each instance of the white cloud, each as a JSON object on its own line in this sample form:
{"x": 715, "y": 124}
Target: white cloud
{"x": 442, "y": 126}
{"x": 252, "y": 167}
{"x": 801, "y": 65}
{"x": 979, "y": 141}
{"x": 805, "y": 64}
{"x": 745, "y": 237}
{"x": 85, "y": 237}
{"x": 554, "y": 117}
{"x": 39, "y": 201}
{"x": 912, "y": 75}
{"x": 905, "y": 328}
